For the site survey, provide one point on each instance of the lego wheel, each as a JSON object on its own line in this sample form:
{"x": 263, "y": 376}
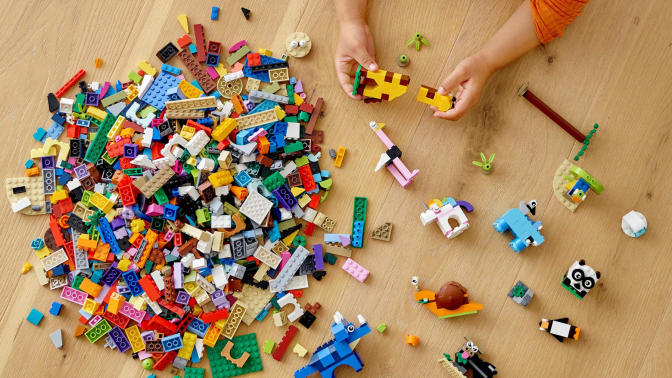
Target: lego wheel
{"x": 517, "y": 245}
{"x": 500, "y": 225}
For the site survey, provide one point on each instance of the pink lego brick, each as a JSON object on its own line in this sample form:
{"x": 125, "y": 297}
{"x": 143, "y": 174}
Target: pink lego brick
{"x": 154, "y": 210}
{"x": 73, "y": 295}
{"x": 381, "y": 134}
{"x": 237, "y": 46}
{"x": 237, "y": 67}
{"x": 212, "y": 72}
{"x": 355, "y": 270}
{"x": 130, "y": 311}
{"x": 285, "y": 257}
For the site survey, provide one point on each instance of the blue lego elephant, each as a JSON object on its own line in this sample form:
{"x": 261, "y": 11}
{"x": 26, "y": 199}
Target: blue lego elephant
{"x": 337, "y": 352}
{"x": 525, "y": 231}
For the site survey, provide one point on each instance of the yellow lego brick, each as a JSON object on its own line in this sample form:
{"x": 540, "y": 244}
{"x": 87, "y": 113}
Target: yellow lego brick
{"x": 297, "y": 99}
{"x": 99, "y": 201}
{"x": 213, "y": 333}
{"x": 296, "y": 191}
{"x": 192, "y": 288}
{"x": 134, "y": 337}
{"x": 304, "y": 200}
{"x": 221, "y": 70}
{"x": 124, "y": 264}
{"x": 220, "y": 178}
{"x": 149, "y": 70}
{"x": 59, "y": 196}
{"x": 192, "y": 161}
{"x": 184, "y": 22}
{"x": 301, "y": 351}
{"x": 384, "y": 85}
{"x": 42, "y": 253}
{"x": 138, "y": 303}
{"x": 431, "y": 96}
{"x": 116, "y": 128}
{"x": 96, "y": 113}
{"x": 127, "y": 133}
{"x": 265, "y": 52}
{"x": 189, "y": 90}
{"x": 289, "y": 239}
{"x": 132, "y": 92}
{"x": 197, "y": 310}
{"x": 280, "y": 113}
{"x": 187, "y": 132}
{"x": 224, "y": 129}
{"x": 90, "y": 306}
{"x": 137, "y": 225}
{"x": 90, "y": 288}
{"x": 339, "y": 156}
{"x": 188, "y": 342}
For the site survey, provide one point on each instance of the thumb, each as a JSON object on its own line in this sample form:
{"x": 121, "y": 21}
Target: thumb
{"x": 458, "y": 76}
{"x": 362, "y": 57}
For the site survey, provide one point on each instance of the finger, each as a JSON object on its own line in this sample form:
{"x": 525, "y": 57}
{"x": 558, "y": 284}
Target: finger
{"x": 362, "y": 57}
{"x": 460, "y": 109}
{"x": 458, "y": 76}
{"x": 344, "y": 78}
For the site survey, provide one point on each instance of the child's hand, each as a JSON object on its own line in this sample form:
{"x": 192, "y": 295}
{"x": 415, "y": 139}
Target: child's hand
{"x": 470, "y": 75}
{"x": 355, "y": 46}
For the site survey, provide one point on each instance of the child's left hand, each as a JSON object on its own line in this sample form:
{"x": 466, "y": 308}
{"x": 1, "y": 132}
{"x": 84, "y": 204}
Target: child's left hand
{"x": 470, "y": 76}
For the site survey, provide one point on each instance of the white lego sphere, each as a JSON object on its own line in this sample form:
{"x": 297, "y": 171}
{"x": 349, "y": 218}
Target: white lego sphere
{"x": 293, "y": 44}
{"x": 634, "y": 224}
{"x": 302, "y": 43}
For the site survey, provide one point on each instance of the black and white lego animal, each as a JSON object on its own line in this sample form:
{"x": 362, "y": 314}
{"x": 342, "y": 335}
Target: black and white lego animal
{"x": 581, "y": 278}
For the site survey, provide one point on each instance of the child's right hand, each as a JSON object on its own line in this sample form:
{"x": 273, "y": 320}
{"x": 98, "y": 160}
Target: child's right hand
{"x": 355, "y": 46}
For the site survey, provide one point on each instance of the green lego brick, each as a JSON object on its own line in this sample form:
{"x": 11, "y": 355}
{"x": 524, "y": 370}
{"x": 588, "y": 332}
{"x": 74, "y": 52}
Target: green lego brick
{"x": 329, "y": 258}
{"x": 110, "y": 160}
{"x": 133, "y": 171}
{"x": 203, "y": 215}
{"x": 290, "y": 93}
{"x": 99, "y": 330}
{"x": 274, "y": 181}
{"x": 290, "y": 119}
{"x": 76, "y": 282}
{"x": 359, "y": 214}
{"x": 382, "y": 327}
{"x": 190, "y": 372}
{"x": 161, "y": 197}
{"x": 268, "y": 346}
{"x": 304, "y": 117}
{"x": 294, "y": 147}
{"x": 229, "y": 209}
{"x": 98, "y": 144}
{"x": 222, "y": 368}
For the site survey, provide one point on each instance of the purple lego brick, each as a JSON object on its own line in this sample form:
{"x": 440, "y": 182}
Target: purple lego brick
{"x": 178, "y": 275}
{"x": 285, "y": 197}
{"x": 81, "y": 171}
{"x": 48, "y": 162}
{"x": 117, "y": 223}
{"x": 130, "y": 150}
{"x": 182, "y": 297}
{"x": 148, "y": 335}
{"x": 110, "y": 276}
{"x": 119, "y": 339}
{"x": 319, "y": 258}
{"x": 91, "y": 99}
{"x": 156, "y": 94}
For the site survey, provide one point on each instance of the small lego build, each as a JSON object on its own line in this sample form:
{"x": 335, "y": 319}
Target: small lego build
{"x": 392, "y": 158}
{"x": 412, "y": 340}
{"x": 441, "y": 211}
{"x": 580, "y": 278}
{"x": 560, "y": 329}
{"x": 403, "y": 60}
{"x": 431, "y": 96}
{"x": 298, "y": 44}
{"x": 380, "y": 85}
{"x": 634, "y": 224}
{"x": 382, "y": 327}
{"x": 572, "y": 190}
{"x": 417, "y": 38}
{"x": 521, "y": 294}
{"x": 451, "y": 301}
{"x": 525, "y": 231}
{"x": 486, "y": 165}
{"x": 468, "y": 363}
{"x": 338, "y": 351}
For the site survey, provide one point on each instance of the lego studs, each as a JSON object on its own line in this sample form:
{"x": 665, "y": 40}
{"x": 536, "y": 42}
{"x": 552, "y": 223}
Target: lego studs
{"x": 298, "y": 44}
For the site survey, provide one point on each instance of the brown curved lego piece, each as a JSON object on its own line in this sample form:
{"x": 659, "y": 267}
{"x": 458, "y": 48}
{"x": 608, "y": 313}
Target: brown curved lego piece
{"x": 240, "y": 226}
{"x": 451, "y": 296}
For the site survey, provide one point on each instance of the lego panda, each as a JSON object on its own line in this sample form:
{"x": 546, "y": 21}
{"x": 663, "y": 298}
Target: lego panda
{"x": 580, "y": 279}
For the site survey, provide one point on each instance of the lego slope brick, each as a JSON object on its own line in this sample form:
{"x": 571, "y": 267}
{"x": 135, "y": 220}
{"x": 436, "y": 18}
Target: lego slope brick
{"x": 223, "y": 368}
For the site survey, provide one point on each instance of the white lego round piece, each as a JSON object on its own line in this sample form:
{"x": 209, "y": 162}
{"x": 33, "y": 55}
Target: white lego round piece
{"x": 634, "y": 224}
{"x": 298, "y": 44}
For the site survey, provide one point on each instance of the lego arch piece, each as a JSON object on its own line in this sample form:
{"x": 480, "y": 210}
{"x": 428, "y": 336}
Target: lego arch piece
{"x": 226, "y": 353}
{"x": 49, "y": 149}
{"x": 289, "y": 299}
{"x": 132, "y": 112}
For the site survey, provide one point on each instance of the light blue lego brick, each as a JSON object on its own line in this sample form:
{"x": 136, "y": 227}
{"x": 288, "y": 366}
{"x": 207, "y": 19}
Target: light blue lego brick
{"x": 85, "y": 314}
{"x": 261, "y": 75}
{"x": 262, "y": 314}
{"x": 358, "y": 234}
{"x": 325, "y": 174}
{"x": 55, "y": 130}
{"x": 172, "y": 342}
{"x": 198, "y": 327}
{"x": 241, "y": 137}
{"x": 35, "y": 317}
{"x": 172, "y": 94}
{"x": 274, "y": 232}
{"x": 195, "y": 84}
{"x": 40, "y": 134}
{"x": 339, "y": 331}
{"x": 216, "y": 94}
{"x": 156, "y": 94}
{"x": 214, "y": 13}
{"x": 242, "y": 179}
{"x": 193, "y": 49}
{"x": 194, "y": 357}
{"x": 29, "y": 163}
{"x": 292, "y": 80}
{"x": 170, "y": 69}
{"x": 325, "y": 357}
{"x": 334, "y": 238}
{"x": 317, "y": 178}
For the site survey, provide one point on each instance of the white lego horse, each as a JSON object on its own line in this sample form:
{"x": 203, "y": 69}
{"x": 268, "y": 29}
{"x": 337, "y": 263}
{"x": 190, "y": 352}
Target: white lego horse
{"x": 440, "y": 212}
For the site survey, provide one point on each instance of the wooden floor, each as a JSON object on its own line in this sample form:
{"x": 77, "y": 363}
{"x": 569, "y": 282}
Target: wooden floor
{"x": 612, "y": 68}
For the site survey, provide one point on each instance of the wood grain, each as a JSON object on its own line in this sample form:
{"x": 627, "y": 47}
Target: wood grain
{"x": 611, "y": 67}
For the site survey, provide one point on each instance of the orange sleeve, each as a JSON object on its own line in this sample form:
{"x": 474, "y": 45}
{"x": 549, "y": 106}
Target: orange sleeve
{"x": 552, "y": 16}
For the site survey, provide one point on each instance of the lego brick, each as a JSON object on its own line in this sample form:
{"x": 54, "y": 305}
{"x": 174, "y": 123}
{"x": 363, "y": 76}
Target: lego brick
{"x": 284, "y": 343}
{"x": 238, "y": 55}
{"x": 200, "y": 42}
{"x": 258, "y": 96}
{"x": 289, "y": 269}
{"x": 261, "y": 118}
{"x": 235, "y": 318}
{"x": 238, "y": 346}
{"x": 199, "y": 73}
{"x": 256, "y": 207}
{"x": 156, "y": 94}
{"x": 280, "y": 74}
{"x": 355, "y": 270}
{"x": 98, "y": 331}
{"x": 192, "y": 103}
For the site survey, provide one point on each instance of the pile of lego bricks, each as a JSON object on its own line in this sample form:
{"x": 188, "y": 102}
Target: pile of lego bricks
{"x": 178, "y": 209}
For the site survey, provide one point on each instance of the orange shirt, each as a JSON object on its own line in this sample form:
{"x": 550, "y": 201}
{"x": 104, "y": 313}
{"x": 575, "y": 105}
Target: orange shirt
{"x": 552, "y": 16}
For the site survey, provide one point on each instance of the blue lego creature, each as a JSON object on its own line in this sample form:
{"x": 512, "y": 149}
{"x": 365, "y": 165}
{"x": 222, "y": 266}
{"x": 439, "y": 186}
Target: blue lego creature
{"x": 525, "y": 231}
{"x": 338, "y": 351}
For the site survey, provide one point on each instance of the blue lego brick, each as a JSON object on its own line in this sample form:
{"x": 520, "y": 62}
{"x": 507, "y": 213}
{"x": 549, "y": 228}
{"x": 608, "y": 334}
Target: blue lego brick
{"x": 317, "y": 178}
{"x": 58, "y": 118}
{"x": 198, "y": 327}
{"x": 325, "y": 174}
{"x": 29, "y": 163}
{"x": 170, "y": 69}
{"x": 118, "y": 86}
{"x": 274, "y": 232}
{"x": 193, "y": 49}
{"x": 279, "y": 141}
{"x": 55, "y": 130}
{"x": 280, "y": 128}
{"x": 195, "y": 84}
{"x": 108, "y": 235}
{"x": 35, "y": 317}
{"x": 194, "y": 357}
{"x": 170, "y": 211}
{"x": 262, "y": 315}
{"x": 171, "y": 95}
{"x": 131, "y": 280}
{"x": 214, "y": 13}
{"x": 55, "y": 308}
{"x": 358, "y": 234}
{"x": 96, "y": 276}
{"x": 261, "y": 75}
{"x": 205, "y": 122}
{"x": 58, "y": 271}
{"x": 292, "y": 80}
{"x": 172, "y": 342}
{"x": 156, "y": 94}
{"x": 212, "y": 60}
{"x": 63, "y": 179}
{"x": 242, "y": 179}
{"x": 39, "y": 135}
{"x": 523, "y": 229}
{"x": 339, "y": 331}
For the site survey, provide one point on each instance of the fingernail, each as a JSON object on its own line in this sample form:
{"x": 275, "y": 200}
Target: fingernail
{"x": 442, "y": 91}
{"x": 372, "y": 67}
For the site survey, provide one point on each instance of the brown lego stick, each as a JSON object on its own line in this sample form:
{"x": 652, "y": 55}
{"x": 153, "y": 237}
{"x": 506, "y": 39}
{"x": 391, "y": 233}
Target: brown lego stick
{"x": 550, "y": 113}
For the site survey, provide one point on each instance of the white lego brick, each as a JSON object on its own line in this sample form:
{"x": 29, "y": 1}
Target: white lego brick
{"x": 207, "y": 165}
{"x": 233, "y": 76}
{"x": 199, "y": 264}
{"x": 22, "y": 204}
{"x": 205, "y": 246}
{"x": 220, "y": 221}
{"x": 147, "y": 82}
{"x": 197, "y": 142}
{"x": 256, "y": 207}
{"x": 217, "y": 240}
{"x": 147, "y": 137}
{"x": 293, "y": 130}
{"x": 309, "y": 214}
{"x": 288, "y": 169}
{"x": 66, "y": 105}
{"x": 73, "y": 184}
{"x": 158, "y": 279}
{"x": 188, "y": 259}
{"x": 219, "y": 277}
{"x": 205, "y": 284}
{"x": 225, "y": 252}
{"x": 143, "y": 161}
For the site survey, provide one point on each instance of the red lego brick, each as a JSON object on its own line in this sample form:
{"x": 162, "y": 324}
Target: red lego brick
{"x": 307, "y": 178}
{"x": 310, "y": 228}
{"x": 119, "y": 320}
{"x": 291, "y": 109}
{"x": 166, "y": 360}
{"x": 56, "y": 231}
{"x": 314, "y": 201}
{"x": 214, "y": 47}
{"x": 150, "y": 288}
{"x": 127, "y": 195}
{"x": 70, "y": 83}
{"x": 284, "y": 344}
{"x": 253, "y": 59}
{"x": 306, "y": 107}
{"x": 184, "y": 323}
{"x": 200, "y": 42}
{"x": 157, "y": 323}
{"x": 314, "y": 116}
{"x": 214, "y": 316}
{"x": 198, "y": 127}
